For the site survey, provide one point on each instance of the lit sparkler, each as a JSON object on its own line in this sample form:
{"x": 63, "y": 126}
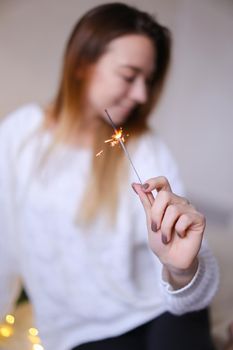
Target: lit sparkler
{"x": 118, "y": 137}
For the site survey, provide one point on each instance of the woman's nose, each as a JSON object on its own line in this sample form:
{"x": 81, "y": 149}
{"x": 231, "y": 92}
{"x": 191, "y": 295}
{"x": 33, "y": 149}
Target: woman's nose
{"x": 138, "y": 91}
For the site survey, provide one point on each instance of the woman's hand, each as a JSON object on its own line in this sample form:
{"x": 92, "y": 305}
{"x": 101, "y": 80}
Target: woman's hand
{"x": 175, "y": 229}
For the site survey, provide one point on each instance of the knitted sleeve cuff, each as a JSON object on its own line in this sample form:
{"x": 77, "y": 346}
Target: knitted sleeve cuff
{"x": 198, "y": 293}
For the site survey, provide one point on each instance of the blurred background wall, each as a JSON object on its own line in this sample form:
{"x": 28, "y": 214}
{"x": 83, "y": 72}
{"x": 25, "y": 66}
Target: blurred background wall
{"x": 195, "y": 114}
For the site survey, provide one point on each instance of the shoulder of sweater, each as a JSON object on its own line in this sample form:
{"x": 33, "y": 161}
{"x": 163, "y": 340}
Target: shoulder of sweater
{"x": 150, "y": 148}
{"x": 18, "y": 124}
{"x": 22, "y": 118}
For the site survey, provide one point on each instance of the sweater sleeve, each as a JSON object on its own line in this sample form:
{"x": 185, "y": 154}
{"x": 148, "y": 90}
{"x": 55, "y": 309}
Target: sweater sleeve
{"x": 199, "y": 292}
{"x": 9, "y": 267}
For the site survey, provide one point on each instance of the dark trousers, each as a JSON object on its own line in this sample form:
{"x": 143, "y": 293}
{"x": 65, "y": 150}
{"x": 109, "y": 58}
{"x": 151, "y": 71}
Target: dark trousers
{"x": 167, "y": 332}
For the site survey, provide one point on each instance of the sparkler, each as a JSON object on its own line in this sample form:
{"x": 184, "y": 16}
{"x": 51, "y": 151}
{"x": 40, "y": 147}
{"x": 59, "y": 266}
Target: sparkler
{"x": 119, "y": 138}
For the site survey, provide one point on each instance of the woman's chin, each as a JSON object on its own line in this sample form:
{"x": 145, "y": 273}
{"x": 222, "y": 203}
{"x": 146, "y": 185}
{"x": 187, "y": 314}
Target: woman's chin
{"x": 119, "y": 115}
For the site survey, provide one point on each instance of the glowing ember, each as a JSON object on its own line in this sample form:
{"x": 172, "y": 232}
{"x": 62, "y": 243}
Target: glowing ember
{"x": 116, "y": 138}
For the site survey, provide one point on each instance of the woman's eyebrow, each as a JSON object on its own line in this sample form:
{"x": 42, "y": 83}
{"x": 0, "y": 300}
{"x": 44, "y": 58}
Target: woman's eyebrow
{"x": 136, "y": 69}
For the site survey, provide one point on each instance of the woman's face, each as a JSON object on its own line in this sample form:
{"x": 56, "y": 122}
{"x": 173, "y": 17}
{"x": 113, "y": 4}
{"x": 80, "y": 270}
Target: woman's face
{"x": 119, "y": 80}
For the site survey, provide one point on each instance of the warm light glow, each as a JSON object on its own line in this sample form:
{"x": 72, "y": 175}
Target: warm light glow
{"x": 34, "y": 339}
{"x": 118, "y": 134}
{"x": 116, "y": 138}
{"x": 33, "y": 331}
{"x": 37, "y": 347}
{"x": 10, "y": 319}
{"x": 33, "y": 335}
{"x": 6, "y": 331}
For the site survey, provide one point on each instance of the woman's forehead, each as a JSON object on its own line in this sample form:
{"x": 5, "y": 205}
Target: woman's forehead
{"x": 136, "y": 51}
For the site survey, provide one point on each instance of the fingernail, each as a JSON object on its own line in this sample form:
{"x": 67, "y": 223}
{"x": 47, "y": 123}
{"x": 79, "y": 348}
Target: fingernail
{"x": 134, "y": 188}
{"x": 145, "y": 186}
{"x": 179, "y": 235}
{"x": 164, "y": 239}
{"x": 153, "y": 226}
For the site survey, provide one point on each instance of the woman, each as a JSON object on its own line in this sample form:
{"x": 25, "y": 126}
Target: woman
{"x": 72, "y": 229}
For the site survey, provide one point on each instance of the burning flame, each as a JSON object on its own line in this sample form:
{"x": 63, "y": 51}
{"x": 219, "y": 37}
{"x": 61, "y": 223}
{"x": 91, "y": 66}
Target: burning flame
{"x": 114, "y": 140}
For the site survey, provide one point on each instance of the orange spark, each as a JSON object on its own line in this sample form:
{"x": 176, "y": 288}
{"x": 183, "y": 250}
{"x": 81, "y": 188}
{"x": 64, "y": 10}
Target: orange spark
{"x": 99, "y": 153}
{"x": 116, "y": 138}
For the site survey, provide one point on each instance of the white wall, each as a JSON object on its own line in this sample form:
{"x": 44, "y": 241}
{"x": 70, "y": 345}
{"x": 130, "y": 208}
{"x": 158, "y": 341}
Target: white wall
{"x": 198, "y": 104}
{"x": 195, "y": 114}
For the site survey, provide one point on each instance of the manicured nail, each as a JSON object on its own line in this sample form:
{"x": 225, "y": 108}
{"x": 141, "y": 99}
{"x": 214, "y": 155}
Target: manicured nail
{"x": 179, "y": 235}
{"x": 134, "y": 188}
{"x": 164, "y": 239}
{"x": 153, "y": 226}
{"x": 145, "y": 186}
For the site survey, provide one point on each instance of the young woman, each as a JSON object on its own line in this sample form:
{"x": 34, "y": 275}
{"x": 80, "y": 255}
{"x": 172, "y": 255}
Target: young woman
{"x": 101, "y": 273}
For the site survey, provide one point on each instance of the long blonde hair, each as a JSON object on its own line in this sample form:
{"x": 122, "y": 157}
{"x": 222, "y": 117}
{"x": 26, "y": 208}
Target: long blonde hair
{"x": 88, "y": 41}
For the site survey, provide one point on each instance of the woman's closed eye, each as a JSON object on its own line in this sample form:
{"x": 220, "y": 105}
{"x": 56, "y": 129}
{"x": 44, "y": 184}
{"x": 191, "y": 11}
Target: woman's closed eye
{"x": 131, "y": 79}
{"x": 128, "y": 78}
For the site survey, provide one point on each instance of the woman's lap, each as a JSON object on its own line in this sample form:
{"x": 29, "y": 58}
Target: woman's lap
{"x": 186, "y": 332}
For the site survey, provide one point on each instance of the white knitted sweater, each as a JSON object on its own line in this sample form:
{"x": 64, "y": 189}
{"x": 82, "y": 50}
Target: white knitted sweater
{"x": 90, "y": 285}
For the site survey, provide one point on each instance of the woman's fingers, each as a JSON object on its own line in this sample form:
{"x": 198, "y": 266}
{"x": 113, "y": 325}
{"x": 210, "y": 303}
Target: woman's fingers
{"x": 170, "y": 218}
{"x": 161, "y": 203}
{"x": 146, "y": 196}
{"x": 157, "y": 183}
{"x": 147, "y": 199}
{"x": 176, "y": 220}
{"x": 155, "y": 208}
{"x": 167, "y": 212}
{"x": 190, "y": 220}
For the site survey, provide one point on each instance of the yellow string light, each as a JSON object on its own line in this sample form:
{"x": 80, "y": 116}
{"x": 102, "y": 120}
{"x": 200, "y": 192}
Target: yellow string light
{"x": 10, "y": 319}
{"x": 33, "y": 331}
{"x": 7, "y": 330}
{"x": 37, "y": 347}
{"x": 33, "y": 335}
